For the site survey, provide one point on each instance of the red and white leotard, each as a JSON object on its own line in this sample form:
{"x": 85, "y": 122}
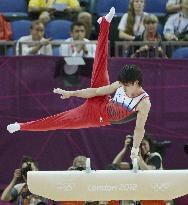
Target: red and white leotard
{"x": 122, "y": 108}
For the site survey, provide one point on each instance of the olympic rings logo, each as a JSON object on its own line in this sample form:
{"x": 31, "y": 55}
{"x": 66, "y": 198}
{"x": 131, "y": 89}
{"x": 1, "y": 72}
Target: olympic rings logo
{"x": 67, "y": 187}
{"x": 160, "y": 187}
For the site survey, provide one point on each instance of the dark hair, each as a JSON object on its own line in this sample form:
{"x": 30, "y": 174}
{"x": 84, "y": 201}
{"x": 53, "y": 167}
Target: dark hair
{"x": 130, "y": 73}
{"x": 26, "y": 159}
{"x": 130, "y": 18}
{"x": 151, "y": 18}
{"x": 77, "y": 23}
{"x": 37, "y": 22}
{"x": 186, "y": 148}
{"x": 149, "y": 139}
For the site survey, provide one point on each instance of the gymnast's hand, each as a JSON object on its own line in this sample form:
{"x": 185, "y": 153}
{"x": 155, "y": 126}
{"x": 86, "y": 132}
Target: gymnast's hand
{"x": 65, "y": 94}
{"x": 58, "y": 91}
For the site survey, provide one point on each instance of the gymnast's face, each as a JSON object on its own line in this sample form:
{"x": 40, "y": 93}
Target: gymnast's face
{"x": 131, "y": 88}
{"x": 145, "y": 148}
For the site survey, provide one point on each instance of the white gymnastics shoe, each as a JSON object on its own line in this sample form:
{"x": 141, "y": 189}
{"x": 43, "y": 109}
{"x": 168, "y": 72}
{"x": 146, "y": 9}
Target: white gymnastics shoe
{"x": 13, "y": 127}
{"x": 109, "y": 16}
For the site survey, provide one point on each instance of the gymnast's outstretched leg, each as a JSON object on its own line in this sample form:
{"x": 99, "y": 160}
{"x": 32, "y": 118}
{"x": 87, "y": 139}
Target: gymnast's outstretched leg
{"x": 86, "y": 115}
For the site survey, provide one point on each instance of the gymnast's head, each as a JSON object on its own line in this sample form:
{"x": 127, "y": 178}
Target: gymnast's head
{"x": 131, "y": 77}
{"x": 131, "y": 74}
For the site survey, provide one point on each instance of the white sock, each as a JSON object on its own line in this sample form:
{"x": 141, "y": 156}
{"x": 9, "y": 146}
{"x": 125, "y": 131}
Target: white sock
{"x": 99, "y": 20}
{"x": 13, "y": 127}
{"x": 135, "y": 165}
{"x": 134, "y": 152}
{"x": 109, "y": 16}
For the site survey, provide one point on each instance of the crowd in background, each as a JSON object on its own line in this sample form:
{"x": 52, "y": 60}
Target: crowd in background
{"x": 134, "y": 25}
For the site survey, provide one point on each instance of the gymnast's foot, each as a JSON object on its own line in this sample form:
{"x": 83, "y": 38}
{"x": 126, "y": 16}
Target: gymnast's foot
{"x": 13, "y": 127}
{"x": 109, "y": 16}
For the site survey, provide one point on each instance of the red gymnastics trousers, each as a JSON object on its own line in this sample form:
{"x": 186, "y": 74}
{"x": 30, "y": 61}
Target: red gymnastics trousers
{"x": 93, "y": 112}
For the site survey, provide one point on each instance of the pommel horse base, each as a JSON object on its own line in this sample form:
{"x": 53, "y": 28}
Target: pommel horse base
{"x": 104, "y": 185}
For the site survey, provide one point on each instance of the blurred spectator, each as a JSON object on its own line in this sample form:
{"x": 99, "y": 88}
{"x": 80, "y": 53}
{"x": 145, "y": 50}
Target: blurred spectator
{"x": 44, "y": 17}
{"x": 131, "y": 23}
{"x": 111, "y": 167}
{"x": 118, "y": 160}
{"x": 173, "y": 6}
{"x": 150, "y": 35}
{"x": 176, "y": 27}
{"x": 86, "y": 19}
{"x": 71, "y": 203}
{"x": 17, "y": 178}
{"x": 79, "y": 163}
{"x": 5, "y": 33}
{"x": 186, "y": 148}
{"x": 153, "y": 202}
{"x": 148, "y": 160}
{"x": 84, "y": 4}
{"x": 68, "y": 9}
{"x": 78, "y": 33}
{"x": 38, "y": 6}
{"x": 42, "y": 46}
{"x": 18, "y": 193}
{"x": 5, "y": 29}
{"x": 112, "y": 202}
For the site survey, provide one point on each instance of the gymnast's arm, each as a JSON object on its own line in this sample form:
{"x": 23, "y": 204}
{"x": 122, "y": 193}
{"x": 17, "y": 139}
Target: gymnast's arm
{"x": 89, "y": 92}
{"x": 143, "y": 111}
